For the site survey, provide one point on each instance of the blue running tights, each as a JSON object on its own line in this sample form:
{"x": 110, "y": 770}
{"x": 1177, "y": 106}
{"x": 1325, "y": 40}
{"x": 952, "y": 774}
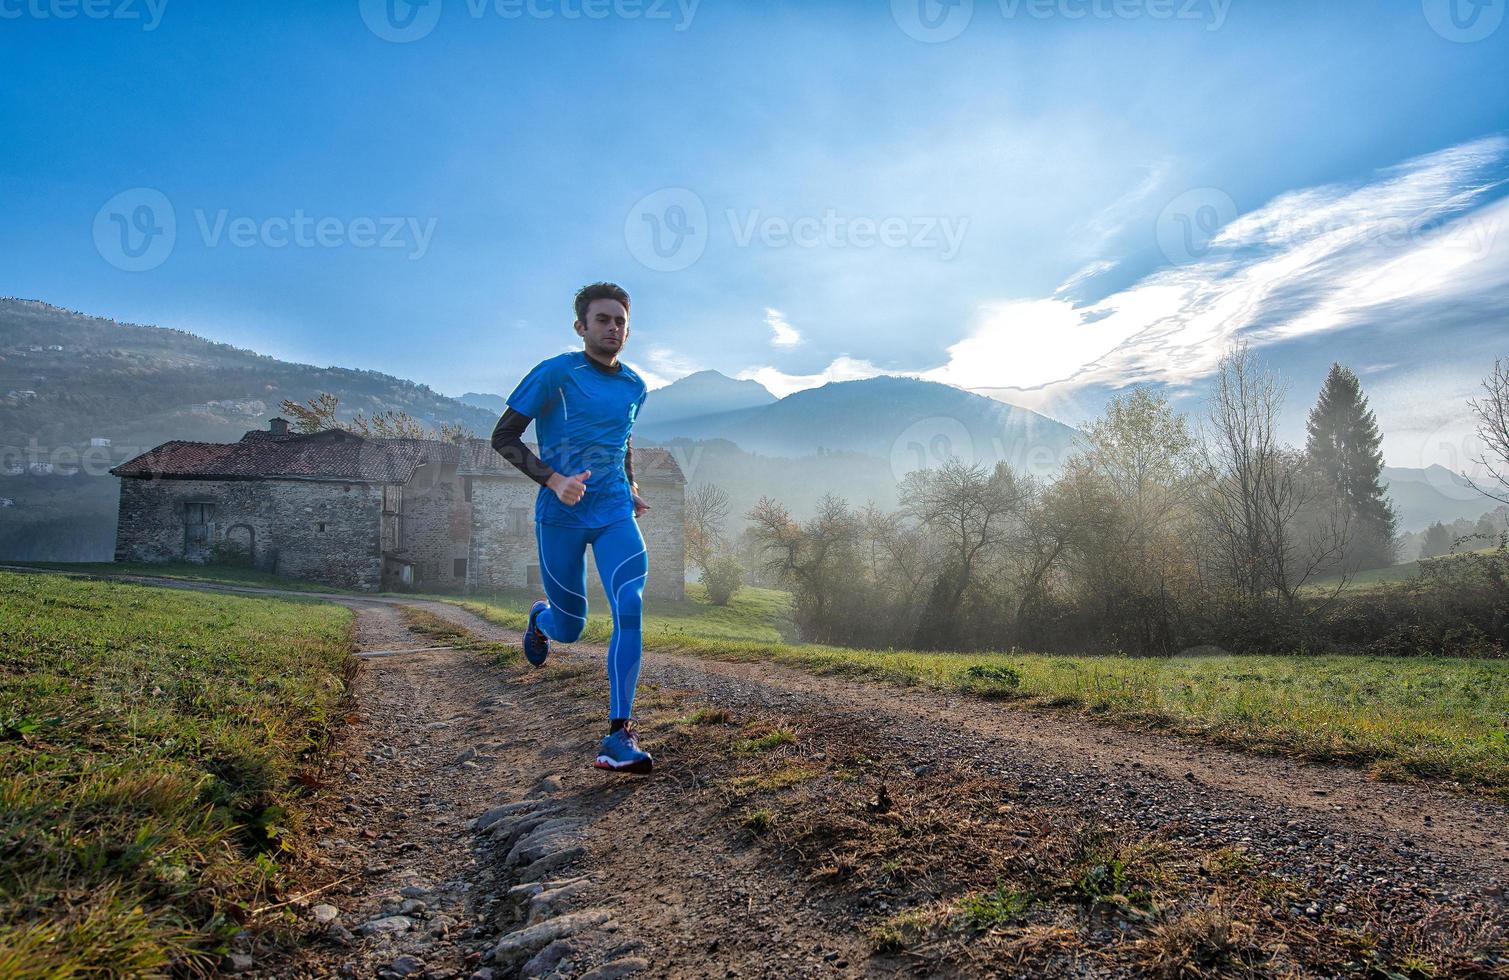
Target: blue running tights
{"x": 618, "y": 549}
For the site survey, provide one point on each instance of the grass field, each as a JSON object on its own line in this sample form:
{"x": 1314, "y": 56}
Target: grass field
{"x": 188, "y": 571}
{"x": 1389, "y": 575}
{"x": 1402, "y": 717}
{"x": 149, "y": 740}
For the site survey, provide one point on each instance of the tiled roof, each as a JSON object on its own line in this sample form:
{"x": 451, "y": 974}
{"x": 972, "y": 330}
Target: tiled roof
{"x": 261, "y": 455}
{"x": 338, "y": 455}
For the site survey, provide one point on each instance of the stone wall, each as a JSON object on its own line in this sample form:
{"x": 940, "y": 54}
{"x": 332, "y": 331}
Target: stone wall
{"x": 503, "y": 548}
{"x": 664, "y": 538}
{"x": 436, "y": 528}
{"x": 503, "y": 559}
{"x": 322, "y": 531}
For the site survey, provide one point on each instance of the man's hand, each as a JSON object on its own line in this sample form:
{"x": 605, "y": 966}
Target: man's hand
{"x": 569, "y": 489}
{"x": 640, "y": 506}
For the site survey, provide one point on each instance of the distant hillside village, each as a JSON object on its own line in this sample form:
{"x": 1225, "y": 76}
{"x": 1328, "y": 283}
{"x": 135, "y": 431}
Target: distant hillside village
{"x": 365, "y": 513}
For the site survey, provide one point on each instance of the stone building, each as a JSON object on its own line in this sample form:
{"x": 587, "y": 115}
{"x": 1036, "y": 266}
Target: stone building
{"x": 368, "y": 514}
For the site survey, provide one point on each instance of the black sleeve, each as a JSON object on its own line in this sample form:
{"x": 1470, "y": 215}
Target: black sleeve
{"x": 508, "y": 440}
{"x": 629, "y": 460}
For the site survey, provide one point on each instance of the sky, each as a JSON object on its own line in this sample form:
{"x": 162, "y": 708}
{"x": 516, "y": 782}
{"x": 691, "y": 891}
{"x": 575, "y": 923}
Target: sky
{"x": 1041, "y": 200}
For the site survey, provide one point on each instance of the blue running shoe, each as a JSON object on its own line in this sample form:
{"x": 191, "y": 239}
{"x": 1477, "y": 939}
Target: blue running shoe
{"x": 620, "y": 752}
{"x": 536, "y": 643}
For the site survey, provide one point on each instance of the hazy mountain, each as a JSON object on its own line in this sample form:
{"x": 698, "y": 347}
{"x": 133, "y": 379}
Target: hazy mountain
{"x": 798, "y": 482}
{"x": 906, "y": 422}
{"x": 67, "y": 378}
{"x": 703, "y": 393}
{"x": 1423, "y": 496}
{"x": 492, "y": 403}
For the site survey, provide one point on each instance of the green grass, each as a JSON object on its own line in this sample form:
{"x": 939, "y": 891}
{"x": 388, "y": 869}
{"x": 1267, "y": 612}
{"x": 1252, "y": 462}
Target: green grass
{"x": 753, "y": 616}
{"x": 1404, "y": 716}
{"x": 149, "y": 744}
{"x": 187, "y": 571}
{"x": 1389, "y": 575}
{"x": 992, "y": 909}
{"x": 770, "y": 740}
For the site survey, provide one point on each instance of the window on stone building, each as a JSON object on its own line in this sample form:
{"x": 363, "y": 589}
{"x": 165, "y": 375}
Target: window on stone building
{"x": 322, "y": 527}
{"x": 466, "y": 485}
{"x": 458, "y": 567}
{"x": 518, "y": 520}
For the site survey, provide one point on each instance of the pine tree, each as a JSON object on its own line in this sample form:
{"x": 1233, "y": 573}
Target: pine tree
{"x": 1437, "y": 541}
{"x": 1344, "y": 444}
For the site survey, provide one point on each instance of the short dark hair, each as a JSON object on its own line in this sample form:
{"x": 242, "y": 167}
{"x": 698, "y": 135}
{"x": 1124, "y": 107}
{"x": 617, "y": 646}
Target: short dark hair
{"x": 599, "y": 290}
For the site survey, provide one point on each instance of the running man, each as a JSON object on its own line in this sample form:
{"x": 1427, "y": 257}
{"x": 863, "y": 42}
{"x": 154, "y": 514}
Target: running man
{"x": 583, "y": 405}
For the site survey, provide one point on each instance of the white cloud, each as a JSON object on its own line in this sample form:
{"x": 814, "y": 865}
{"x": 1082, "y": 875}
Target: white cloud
{"x": 1310, "y": 261}
{"x": 783, "y": 334}
{"x": 842, "y": 368}
{"x": 665, "y": 366}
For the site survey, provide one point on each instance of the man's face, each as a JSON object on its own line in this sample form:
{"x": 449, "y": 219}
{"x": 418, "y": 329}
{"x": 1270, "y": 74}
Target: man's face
{"x": 606, "y": 329}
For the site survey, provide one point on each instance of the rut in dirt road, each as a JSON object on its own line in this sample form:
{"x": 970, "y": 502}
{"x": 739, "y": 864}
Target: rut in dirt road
{"x": 486, "y": 845}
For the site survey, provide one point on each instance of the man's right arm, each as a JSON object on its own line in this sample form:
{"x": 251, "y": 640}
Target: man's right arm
{"x": 508, "y": 440}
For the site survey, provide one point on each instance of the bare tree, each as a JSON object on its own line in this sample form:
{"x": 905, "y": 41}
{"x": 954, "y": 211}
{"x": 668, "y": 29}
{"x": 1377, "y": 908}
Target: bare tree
{"x": 706, "y": 515}
{"x": 968, "y": 510}
{"x": 320, "y": 413}
{"x": 1133, "y": 485}
{"x": 1492, "y": 411}
{"x": 1259, "y": 488}
{"x": 816, "y": 558}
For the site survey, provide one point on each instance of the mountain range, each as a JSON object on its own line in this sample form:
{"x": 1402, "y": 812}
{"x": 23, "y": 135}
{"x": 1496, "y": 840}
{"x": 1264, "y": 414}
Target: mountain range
{"x": 69, "y": 380}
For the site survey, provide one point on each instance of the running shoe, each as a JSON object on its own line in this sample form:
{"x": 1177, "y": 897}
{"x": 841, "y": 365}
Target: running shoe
{"x": 536, "y": 643}
{"x": 620, "y": 752}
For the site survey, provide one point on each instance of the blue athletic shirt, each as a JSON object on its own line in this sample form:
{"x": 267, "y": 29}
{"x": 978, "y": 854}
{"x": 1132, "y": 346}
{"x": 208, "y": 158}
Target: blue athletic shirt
{"x": 583, "y": 414}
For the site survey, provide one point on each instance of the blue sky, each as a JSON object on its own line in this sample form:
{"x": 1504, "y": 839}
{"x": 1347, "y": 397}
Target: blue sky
{"x": 1040, "y": 200}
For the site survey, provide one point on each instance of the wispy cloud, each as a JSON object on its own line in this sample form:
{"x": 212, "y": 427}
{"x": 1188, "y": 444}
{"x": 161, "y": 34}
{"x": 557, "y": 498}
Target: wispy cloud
{"x": 842, "y": 368}
{"x": 1432, "y": 232}
{"x": 665, "y": 366}
{"x": 1311, "y": 261}
{"x": 783, "y": 334}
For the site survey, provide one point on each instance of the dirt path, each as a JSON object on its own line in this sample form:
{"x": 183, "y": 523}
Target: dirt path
{"x": 737, "y": 861}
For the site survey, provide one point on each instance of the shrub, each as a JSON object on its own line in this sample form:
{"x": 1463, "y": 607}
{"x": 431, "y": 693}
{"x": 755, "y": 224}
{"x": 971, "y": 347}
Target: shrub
{"x": 723, "y": 578}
